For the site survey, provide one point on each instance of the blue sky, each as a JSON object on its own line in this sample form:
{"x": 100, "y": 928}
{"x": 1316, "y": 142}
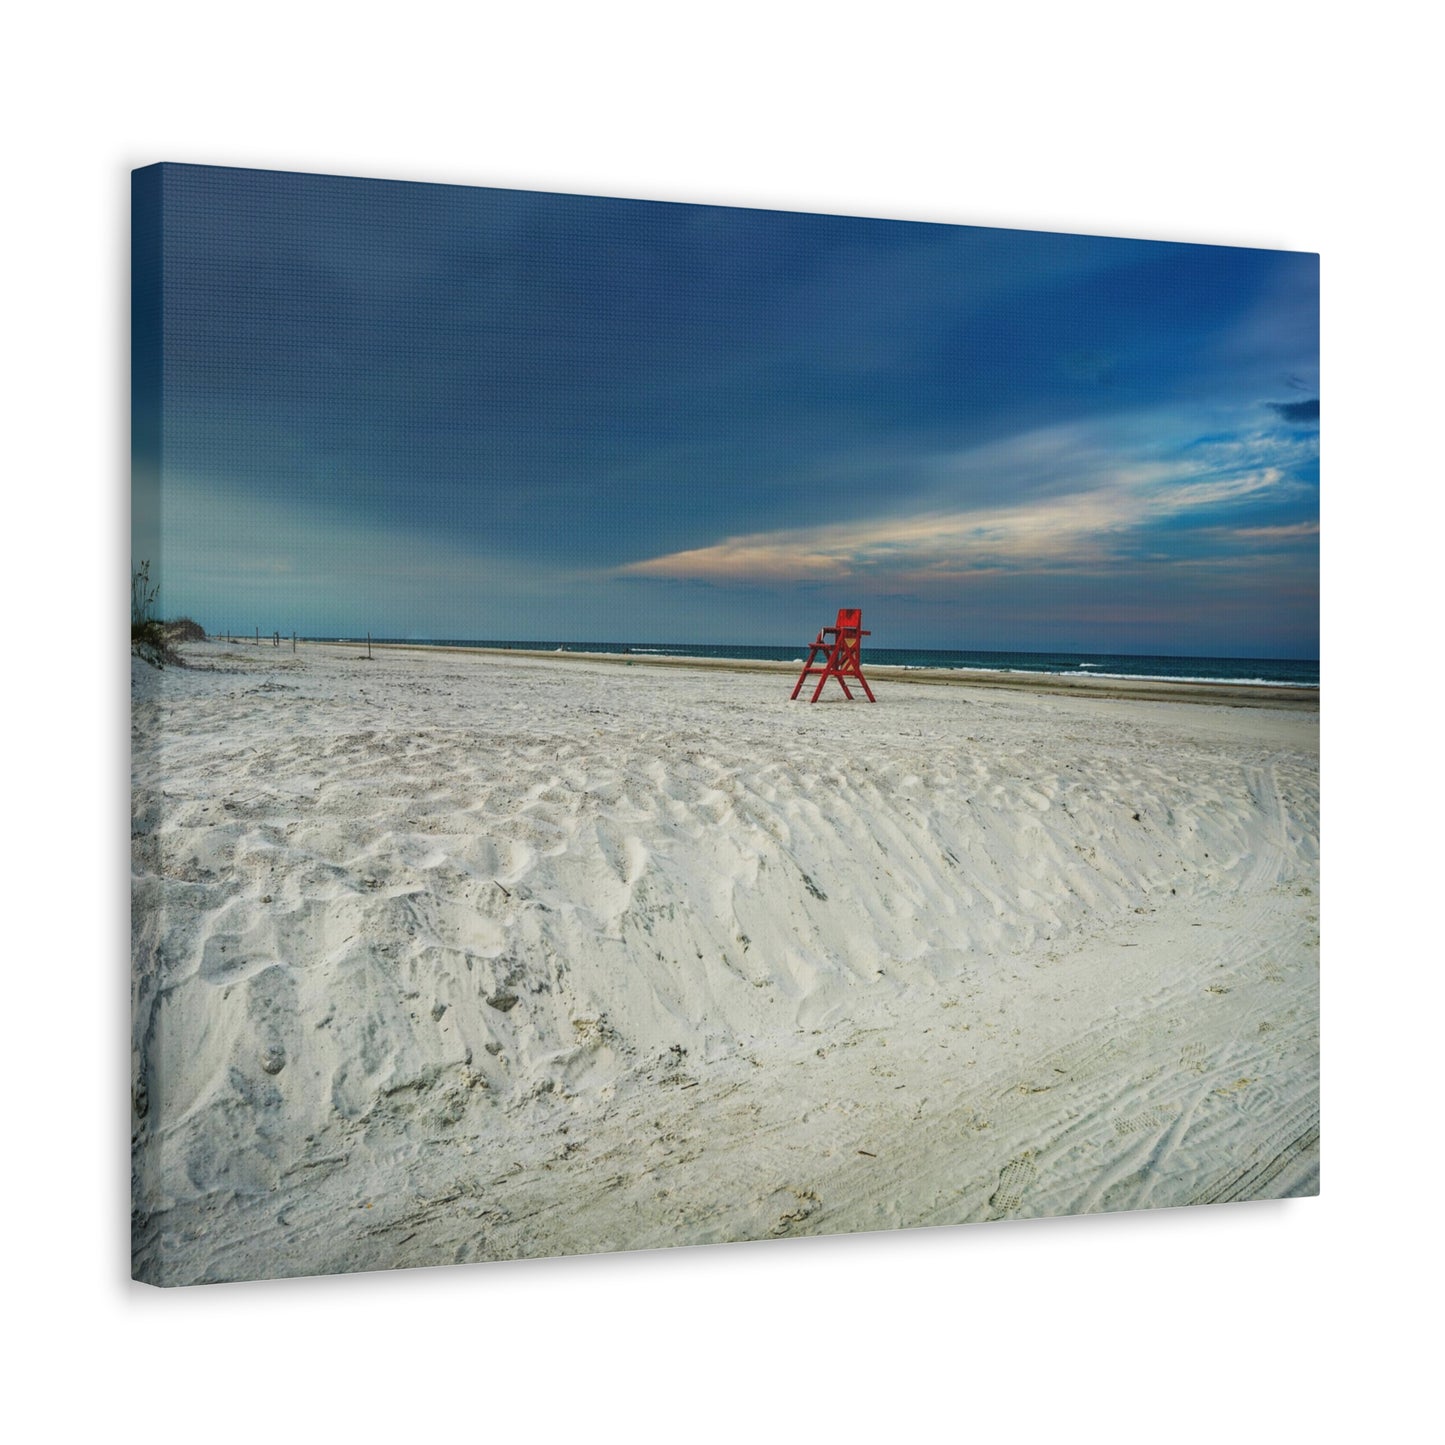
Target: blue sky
{"x": 438, "y": 411}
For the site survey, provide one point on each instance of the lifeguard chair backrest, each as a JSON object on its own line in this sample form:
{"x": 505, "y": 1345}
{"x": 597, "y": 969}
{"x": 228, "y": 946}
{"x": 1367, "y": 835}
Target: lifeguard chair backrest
{"x": 850, "y": 619}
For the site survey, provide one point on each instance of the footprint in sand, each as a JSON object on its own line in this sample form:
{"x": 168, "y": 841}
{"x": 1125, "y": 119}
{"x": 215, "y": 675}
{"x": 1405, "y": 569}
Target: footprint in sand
{"x": 1014, "y": 1178}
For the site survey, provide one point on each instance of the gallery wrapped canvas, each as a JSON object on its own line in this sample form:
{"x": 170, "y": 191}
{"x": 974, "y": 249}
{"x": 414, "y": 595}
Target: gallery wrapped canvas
{"x": 663, "y": 724}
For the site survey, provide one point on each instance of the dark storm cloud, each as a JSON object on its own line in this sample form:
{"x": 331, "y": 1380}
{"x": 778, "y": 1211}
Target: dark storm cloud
{"x": 597, "y": 398}
{"x": 1297, "y": 412}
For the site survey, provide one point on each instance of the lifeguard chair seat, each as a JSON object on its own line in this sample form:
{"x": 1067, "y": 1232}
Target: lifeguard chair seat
{"x": 842, "y": 649}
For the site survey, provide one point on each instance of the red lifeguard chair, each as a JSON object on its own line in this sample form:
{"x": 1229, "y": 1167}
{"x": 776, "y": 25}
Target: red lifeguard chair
{"x": 843, "y": 655}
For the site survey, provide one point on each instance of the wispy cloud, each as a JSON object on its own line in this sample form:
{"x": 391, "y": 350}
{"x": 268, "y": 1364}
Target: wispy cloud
{"x": 1055, "y": 501}
{"x": 1290, "y": 532}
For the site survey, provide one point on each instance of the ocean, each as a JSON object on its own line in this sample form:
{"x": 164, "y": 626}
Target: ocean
{"x": 1272, "y": 671}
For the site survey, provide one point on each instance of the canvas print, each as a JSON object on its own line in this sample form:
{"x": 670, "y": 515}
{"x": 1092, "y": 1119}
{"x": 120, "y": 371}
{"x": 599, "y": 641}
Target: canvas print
{"x": 662, "y": 724}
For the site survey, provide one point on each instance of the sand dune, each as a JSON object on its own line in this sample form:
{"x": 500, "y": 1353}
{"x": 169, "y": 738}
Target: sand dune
{"x": 441, "y": 957}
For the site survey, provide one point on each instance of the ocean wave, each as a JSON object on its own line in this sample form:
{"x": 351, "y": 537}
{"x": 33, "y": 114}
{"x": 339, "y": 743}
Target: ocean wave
{"x": 1102, "y": 676}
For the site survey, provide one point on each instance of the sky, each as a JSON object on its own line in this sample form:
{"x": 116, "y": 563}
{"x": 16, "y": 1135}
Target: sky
{"x": 436, "y": 411}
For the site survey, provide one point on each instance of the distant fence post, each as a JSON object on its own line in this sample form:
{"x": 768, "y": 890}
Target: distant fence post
{"x": 368, "y": 647}
{"x": 293, "y": 642}
{"x": 258, "y": 637}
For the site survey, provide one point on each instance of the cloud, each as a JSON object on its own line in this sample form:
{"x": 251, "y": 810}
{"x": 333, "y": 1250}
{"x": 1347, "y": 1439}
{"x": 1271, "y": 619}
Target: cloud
{"x": 1081, "y": 530}
{"x": 1052, "y": 502}
{"x": 1297, "y": 412}
{"x": 1290, "y": 532}
{"x": 765, "y": 557}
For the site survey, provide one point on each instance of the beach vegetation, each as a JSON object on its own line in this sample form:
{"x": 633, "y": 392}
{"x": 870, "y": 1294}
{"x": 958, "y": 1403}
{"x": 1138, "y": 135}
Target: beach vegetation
{"x": 142, "y": 596}
{"x": 152, "y": 639}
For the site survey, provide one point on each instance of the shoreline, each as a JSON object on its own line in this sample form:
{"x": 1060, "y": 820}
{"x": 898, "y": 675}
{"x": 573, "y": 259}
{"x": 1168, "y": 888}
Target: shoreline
{"x": 1226, "y": 694}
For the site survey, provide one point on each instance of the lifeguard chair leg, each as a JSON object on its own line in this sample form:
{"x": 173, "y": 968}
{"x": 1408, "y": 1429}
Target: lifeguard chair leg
{"x": 827, "y": 673}
{"x": 833, "y": 669}
{"x": 847, "y": 658}
{"x": 807, "y": 668}
{"x": 857, "y": 671}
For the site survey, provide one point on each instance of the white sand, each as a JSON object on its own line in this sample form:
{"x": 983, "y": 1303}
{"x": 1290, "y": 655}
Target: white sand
{"x": 443, "y": 957}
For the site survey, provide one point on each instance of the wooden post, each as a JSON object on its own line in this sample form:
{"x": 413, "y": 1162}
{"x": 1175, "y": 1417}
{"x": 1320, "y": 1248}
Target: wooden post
{"x": 368, "y": 647}
{"x": 293, "y": 642}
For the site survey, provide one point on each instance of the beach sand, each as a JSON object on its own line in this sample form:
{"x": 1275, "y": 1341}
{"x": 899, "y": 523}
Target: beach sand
{"x": 446, "y": 957}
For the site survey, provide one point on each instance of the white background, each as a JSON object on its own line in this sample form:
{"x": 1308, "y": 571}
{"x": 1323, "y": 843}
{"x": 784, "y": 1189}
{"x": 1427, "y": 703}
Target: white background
{"x": 1252, "y": 124}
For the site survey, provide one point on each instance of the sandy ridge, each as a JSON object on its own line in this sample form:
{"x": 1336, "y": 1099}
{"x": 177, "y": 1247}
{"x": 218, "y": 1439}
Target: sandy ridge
{"x": 447, "y": 960}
